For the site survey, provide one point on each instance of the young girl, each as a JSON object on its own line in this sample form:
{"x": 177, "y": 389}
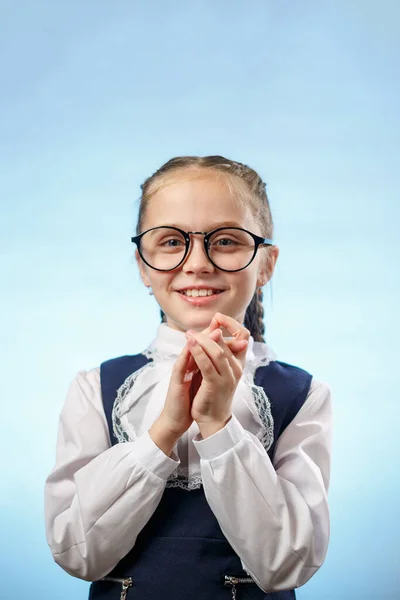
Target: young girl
{"x": 200, "y": 467}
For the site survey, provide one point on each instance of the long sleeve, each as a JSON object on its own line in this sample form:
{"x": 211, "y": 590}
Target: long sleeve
{"x": 98, "y": 497}
{"x": 275, "y": 516}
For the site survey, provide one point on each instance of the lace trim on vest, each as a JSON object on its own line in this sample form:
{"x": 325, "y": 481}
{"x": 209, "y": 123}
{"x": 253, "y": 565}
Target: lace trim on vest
{"x": 119, "y": 429}
{"x": 155, "y": 354}
{"x": 261, "y": 357}
{"x": 180, "y": 479}
{"x": 263, "y": 405}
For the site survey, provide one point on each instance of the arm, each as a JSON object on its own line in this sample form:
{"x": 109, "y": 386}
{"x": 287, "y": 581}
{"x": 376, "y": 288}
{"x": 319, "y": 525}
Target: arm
{"x": 98, "y": 498}
{"x": 275, "y": 516}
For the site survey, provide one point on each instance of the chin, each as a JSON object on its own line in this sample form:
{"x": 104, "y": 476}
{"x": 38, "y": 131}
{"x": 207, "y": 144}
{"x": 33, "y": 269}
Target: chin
{"x": 195, "y": 322}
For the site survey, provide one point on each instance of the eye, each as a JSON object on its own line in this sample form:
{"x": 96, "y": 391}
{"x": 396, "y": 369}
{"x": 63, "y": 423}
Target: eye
{"x": 224, "y": 242}
{"x": 172, "y": 243}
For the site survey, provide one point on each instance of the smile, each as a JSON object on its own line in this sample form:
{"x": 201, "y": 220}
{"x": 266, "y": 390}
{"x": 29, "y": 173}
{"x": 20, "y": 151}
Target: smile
{"x": 195, "y": 293}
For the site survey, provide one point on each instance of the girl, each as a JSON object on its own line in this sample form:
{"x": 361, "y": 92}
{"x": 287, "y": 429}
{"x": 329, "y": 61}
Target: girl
{"x": 199, "y": 468}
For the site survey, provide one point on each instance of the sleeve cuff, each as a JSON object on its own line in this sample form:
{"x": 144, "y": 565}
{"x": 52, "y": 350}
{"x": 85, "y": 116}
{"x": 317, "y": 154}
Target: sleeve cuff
{"x": 152, "y": 458}
{"x": 220, "y": 442}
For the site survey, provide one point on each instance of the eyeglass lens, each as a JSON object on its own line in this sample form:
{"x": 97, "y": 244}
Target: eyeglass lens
{"x": 229, "y": 249}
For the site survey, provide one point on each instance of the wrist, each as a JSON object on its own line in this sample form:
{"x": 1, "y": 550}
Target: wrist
{"x": 163, "y": 437}
{"x": 208, "y": 428}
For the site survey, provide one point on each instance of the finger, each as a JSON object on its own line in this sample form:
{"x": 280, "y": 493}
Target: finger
{"x": 236, "y": 346}
{"x": 181, "y": 364}
{"x": 191, "y": 365}
{"x": 234, "y": 363}
{"x": 202, "y": 360}
{"x": 225, "y": 363}
{"x": 227, "y": 345}
{"x": 214, "y": 335}
{"x": 191, "y": 369}
{"x": 212, "y": 327}
{"x": 218, "y": 353}
{"x": 237, "y": 331}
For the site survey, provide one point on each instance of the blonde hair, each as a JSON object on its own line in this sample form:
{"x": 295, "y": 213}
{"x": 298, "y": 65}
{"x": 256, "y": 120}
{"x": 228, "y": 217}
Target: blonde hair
{"x": 244, "y": 184}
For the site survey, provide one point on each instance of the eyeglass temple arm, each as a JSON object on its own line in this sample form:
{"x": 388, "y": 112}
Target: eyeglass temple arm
{"x": 266, "y": 242}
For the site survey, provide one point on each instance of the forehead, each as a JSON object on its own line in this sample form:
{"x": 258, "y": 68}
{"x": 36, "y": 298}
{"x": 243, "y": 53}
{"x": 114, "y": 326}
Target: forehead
{"x": 198, "y": 203}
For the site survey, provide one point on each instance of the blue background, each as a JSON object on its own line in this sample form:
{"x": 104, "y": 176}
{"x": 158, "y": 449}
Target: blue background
{"x": 94, "y": 96}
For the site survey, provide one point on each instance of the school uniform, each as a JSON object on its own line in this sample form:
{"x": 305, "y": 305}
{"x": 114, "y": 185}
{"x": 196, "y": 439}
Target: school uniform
{"x": 240, "y": 514}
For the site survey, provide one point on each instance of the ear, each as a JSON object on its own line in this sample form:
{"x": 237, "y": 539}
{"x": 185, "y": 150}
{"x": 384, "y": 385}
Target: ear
{"x": 267, "y": 266}
{"x": 142, "y": 269}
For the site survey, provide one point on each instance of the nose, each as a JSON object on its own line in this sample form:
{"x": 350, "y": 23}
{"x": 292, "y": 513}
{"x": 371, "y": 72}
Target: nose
{"x": 197, "y": 260}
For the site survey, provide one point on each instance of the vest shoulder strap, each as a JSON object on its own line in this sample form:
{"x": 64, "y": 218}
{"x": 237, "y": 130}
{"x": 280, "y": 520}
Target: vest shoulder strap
{"x": 112, "y": 375}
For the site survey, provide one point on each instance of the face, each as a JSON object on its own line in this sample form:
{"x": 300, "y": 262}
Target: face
{"x": 202, "y": 204}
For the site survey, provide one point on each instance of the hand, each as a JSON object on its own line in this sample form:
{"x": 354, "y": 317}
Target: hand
{"x": 220, "y": 371}
{"x": 175, "y": 417}
{"x": 235, "y": 344}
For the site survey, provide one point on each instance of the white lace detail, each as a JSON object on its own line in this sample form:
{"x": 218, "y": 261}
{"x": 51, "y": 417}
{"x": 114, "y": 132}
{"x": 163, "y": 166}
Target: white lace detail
{"x": 263, "y": 405}
{"x": 261, "y": 356}
{"x": 155, "y": 354}
{"x": 119, "y": 408}
{"x": 180, "y": 479}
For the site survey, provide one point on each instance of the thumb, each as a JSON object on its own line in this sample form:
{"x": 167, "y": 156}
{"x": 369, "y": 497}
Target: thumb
{"x": 181, "y": 365}
{"x": 238, "y": 349}
{"x": 213, "y": 326}
{"x": 237, "y": 346}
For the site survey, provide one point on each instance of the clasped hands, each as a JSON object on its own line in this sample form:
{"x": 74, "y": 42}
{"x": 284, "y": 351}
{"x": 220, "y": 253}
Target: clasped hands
{"x": 203, "y": 382}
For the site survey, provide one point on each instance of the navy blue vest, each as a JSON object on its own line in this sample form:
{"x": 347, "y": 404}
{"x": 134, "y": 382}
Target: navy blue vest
{"x": 181, "y": 553}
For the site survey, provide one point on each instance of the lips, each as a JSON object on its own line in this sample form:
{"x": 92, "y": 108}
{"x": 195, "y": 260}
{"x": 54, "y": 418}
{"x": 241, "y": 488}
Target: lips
{"x": 200, "y": 296}
{"x": 199, "y": 292}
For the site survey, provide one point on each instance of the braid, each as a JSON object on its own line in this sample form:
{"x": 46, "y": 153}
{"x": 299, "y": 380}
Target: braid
{"x": 254, "y": 317}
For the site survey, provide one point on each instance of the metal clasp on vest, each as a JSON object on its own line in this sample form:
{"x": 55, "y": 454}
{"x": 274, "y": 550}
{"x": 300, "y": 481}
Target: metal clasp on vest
{"x": 126, "y": 584}
{"x": 233, "y": 581}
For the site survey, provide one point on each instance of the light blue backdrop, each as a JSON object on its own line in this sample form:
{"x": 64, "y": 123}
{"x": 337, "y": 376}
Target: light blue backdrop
{"x": 94, "y": 96}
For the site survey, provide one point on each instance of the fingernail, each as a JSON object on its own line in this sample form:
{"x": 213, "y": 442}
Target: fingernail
{"x": 190, "y": 332}
{"x": 191, "y": 341}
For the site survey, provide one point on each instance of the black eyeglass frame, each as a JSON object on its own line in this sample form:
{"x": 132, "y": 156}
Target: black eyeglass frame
{"x": 258, "y": 241}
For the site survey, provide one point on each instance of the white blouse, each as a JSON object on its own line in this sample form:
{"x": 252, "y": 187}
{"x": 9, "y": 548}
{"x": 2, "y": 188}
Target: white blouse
{"x": 275, "y": 515}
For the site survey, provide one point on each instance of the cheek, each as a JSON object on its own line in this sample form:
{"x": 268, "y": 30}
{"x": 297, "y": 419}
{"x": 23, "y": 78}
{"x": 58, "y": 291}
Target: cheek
{"x": 249, "y": 276}
{"x": 245, "y": 285}
{"x": 159, "y": 281}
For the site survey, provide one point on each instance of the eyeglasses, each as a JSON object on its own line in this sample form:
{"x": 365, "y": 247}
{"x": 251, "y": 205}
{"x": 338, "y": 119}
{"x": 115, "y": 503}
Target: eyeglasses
{"x": 228, "y": 248}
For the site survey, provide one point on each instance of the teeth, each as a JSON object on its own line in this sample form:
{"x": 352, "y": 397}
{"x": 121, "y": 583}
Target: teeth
{"x": 196, "y": 293}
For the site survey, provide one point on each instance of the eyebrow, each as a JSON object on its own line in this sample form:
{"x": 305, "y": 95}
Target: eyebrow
{"x": 210, "y": 227}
